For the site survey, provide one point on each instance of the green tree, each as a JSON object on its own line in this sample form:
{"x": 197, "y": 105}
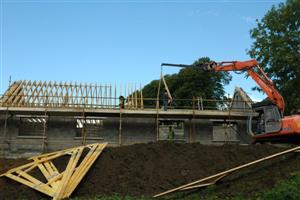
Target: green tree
{"x": 191, "y": 82}
{"x": 277, "y": 48}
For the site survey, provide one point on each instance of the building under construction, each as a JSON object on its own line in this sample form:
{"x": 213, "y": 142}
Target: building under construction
{"x": 41, "y": 116}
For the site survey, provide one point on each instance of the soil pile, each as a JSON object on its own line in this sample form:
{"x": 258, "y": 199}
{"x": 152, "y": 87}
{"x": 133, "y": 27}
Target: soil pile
{"x": 147, "y": 169}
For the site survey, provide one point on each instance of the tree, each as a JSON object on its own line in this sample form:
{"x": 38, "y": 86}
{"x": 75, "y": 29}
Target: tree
{"x": 277, "y": 48}
{"x": 191, "y": 82}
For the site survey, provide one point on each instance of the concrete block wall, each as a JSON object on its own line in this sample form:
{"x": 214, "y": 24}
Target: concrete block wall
{"x": 138, "y": 130}
{"x": 62, "y": 132}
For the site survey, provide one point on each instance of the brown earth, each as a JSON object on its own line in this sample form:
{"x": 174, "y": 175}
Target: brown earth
{"x": 148, "y": 169}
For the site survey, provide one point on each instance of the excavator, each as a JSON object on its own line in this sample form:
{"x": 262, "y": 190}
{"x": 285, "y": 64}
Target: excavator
{"x": 268, "y": 123}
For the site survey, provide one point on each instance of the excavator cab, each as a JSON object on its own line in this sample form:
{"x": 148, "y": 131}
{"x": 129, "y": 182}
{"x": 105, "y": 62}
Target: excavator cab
{"x": 266, "y": 119}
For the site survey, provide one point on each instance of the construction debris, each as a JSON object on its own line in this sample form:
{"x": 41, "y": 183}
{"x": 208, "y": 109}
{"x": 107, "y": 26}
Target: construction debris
{"x": 59, "y": 185}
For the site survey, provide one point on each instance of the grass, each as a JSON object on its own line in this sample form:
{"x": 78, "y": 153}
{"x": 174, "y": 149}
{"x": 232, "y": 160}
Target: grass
{"x": 288, "y": 189}
{"x": 113, "y": 197}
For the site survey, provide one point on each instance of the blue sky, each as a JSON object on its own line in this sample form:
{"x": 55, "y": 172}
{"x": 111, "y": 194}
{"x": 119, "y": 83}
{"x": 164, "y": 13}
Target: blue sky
{"x": 122, "y": 41}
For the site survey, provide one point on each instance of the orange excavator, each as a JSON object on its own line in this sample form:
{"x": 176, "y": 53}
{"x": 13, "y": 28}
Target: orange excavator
{"x": 268, "y": 124}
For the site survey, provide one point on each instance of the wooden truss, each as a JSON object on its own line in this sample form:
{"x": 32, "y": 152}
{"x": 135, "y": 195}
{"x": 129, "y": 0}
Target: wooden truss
{"x": 58, "y": 185}
{"x": 70, "y": 95}
{"x": 211, "y": 180}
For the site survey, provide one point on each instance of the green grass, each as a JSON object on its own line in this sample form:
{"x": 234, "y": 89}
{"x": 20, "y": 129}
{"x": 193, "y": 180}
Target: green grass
{"x": 114, "y": 197}
{"x": 285, "y": 190}
{"x": 288, "y": 189}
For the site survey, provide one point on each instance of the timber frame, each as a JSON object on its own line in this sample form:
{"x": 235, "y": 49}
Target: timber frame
{"x": 59, "y": 185}
{"x": 70, "y": 95}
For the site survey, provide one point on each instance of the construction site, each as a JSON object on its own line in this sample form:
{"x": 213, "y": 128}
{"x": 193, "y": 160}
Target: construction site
{"x": 147, "y": 150}
{"x": 144, "y": 100}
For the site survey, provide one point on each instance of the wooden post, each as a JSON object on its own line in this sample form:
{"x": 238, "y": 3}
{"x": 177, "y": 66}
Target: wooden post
{"x": 115, "y": 98}
{"x": 128, "y": 98}
{"x": 105, "y": 96}
{"x": 157, "y": 128}
{"x": 135, "y": 96}
{"x": 86, "y": 95}
{"x": 120, "y": 94}
{"x": 110, "y": 96}
{"x": 83, "y": 131}
{"x": 132, "y": 96}
{"x": 101, "y": 96}
{"x": 5, "y": 133}
{"x": 157, "y": 107}
{"x": 96, "y": 94}
{"x": 44, "y": 131}
{"x": 193, "y": 121}
{"x": 190, "y": 130}
{"x": 120, "y": 117}
{"x": 120, "y": 127}
{"x": 141, "y": 96}
{"x": 125, "y": 96}
{"x": 158, "y": 93}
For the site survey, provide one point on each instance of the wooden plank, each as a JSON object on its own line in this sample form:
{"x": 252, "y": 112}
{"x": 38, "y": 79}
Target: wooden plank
{"x": 53, "y": 174}
{"x": 68, "y": 173}
{"x": 135, "y": 97}
{"x": 33, "y": 89}
{"x": 197, "y": 186}
{"x": 75, "y": 178}
{"x": 141, "y": 96}
{"x": 110, "y": 96}
{"x": 36, "y": 98}
{"x": 28, "y": 165}
{"x": 15, "y": 95}
{"x": 9, "y": 93}
{"x": 48, "y": 173}
{"x": 84, "y": 167}
{"x": 50, "y": 96}
{"x": 214, "y": 181}
{"x": 81, "y": 171}
{"x": 45, "y": 94}
{"x": 44, "y": 171}
{"x": 115, "y": 95}
{"x": 228, "y": 171}
{"x": 71, "y": 95}
{"x": 29, "y": 184}
{"x": 166, "y": 87}
{"x": 36, "y": 182}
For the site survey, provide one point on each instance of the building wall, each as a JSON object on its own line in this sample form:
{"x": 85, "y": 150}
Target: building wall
{"x": 63, "y": 132}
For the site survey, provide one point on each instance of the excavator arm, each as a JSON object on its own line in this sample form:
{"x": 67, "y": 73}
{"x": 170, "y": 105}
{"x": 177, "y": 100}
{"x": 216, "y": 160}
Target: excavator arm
{"x": 249, "y": 66}
{"x": 258, "y": 76}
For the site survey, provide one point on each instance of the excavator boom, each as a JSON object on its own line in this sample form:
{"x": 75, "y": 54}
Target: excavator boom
{"x": 258, "y": 76}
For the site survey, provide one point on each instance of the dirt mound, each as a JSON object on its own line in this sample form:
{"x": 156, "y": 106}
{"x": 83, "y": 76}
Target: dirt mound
{"x": 147, "y": 169}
